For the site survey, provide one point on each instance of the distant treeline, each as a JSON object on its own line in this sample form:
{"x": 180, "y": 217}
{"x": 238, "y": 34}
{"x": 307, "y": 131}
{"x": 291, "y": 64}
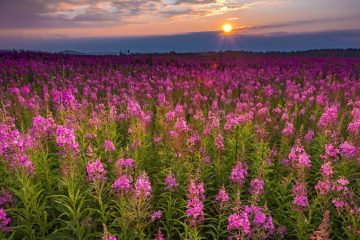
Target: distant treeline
{"x": 347, "y": 53}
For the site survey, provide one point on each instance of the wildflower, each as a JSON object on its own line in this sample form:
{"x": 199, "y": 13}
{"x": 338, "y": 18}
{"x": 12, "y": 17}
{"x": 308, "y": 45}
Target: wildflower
{"x": 300, "y": 198}
{"x": 159, "y": 235}
{"x": 331, "y": 150}
{"x": 125, "y": 162}
{"x": 329, "y": 116}
{"x": 194, "y": 208}
{"x": 309, "y": 136}
{"x": 156, "y": 215}
{"x": 170, "y": 182}
{"x": 122, "y": 184}
{"x": 347, "y": 150}
{"x": 109, "y": 145}
{"x": 299, "y": 158}
{"x": 322, "y": 233}
{"x": 222, "y": 196}
{"x": 240, "y": 222}
{"x": 239, "y": 173}
{"x": 4, "y": 221}
{"x": 256, "y": 186}
{"x": 65, "y": 138}
{"x": 219, "y": 142}
{"x": 95, "y": 171}
{"x": 142, "y": 187}
{"x": 288, "y": 130}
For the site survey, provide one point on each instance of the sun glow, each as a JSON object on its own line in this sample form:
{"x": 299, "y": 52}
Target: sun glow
{"x": 227, "y": 28}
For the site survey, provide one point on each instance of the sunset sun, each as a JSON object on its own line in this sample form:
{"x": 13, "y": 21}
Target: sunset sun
{"x": 227, "y": 28}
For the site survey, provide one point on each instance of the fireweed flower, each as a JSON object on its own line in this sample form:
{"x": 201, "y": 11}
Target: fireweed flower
{"x": 194, "y": 208}
{"x": 300, "y": 198}
{"x": 95, "y": 171}
{"x": 328, "y": 117}
{"x": 309, "y": 136}
{"x": 125, "y": 163}
{"x": 109, "y": 145}
{"x": 65, "y": 138}
{"x": 222, "y": 196}
{"x": 322, "y": 232}
{"x": 239, "y": 173}
{"x": 6, "y": 198}
{"x": 259, "y": 220}
{"x": 298, "y": 158}
{"x": 159, "y": 235}
{"x": 219, "y": 142}
{"x": 156, "y": 215}
{"x": 239, "y": 222}
{"x": 122, "y": 185}
{"x": 347, "y": 150}
{"x": 288, "y": 130}
{"x": 331, "y": 151}
{"x": 256, "y": 186}
{"x": 170, "y": 182}
{"x": 4, "y": 221}
{"x": 143, "y": 187}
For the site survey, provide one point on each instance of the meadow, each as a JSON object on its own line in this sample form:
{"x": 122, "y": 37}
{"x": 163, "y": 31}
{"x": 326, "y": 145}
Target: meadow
{"x": 179, "y": 146}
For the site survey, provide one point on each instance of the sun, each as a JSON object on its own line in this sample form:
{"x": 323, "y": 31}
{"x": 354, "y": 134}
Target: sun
{"x": 227, "y": 28}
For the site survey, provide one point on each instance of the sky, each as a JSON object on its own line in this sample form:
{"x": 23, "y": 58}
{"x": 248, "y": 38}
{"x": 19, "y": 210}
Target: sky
{"x": 178, "y": 25}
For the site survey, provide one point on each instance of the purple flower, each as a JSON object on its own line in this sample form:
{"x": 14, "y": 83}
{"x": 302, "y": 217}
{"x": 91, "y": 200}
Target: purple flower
{"x": 159, "y": 235}
{"x": 4, "y": 221}
{"x": 329, "y": 116}
{"x": 300, "y": 198}
{"x": 170, "y": 182}
{"x": 142, "y": 187}
{"x": 65, "y": 138}
{"x": 239, "y": 173}
{"x": 156, "y": 215}
{"x": 122, "y": 185}
{"x": 222, "y": 196}
{"x": 256, "y": 186}
{"x": 298, "y": 158}
{"x": 126, "y": 163}
{"x": 109, "y": 145}
{"x": 219, "y": 142}
{"x": 240, "y": 222}
{"x": 194, "y": 208}
{"x": 347, "y": 150}
{"x": 95, "y": 171}
{"x": 288, "y": 130}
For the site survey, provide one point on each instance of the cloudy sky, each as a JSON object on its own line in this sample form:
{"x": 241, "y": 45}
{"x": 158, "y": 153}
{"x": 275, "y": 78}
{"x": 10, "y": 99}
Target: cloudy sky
{"x": 62, "y": 24}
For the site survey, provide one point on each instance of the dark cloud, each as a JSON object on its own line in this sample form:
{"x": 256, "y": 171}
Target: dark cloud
{"x": 81, "y": 13}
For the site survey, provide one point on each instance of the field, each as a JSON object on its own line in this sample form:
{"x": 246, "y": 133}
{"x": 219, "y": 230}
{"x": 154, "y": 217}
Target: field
{"x": 179, "y": 146}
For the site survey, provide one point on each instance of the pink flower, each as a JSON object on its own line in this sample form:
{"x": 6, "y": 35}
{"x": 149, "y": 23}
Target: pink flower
{"x": 240, "y": 222}
{"x": 65, "y": 138}
{"x": 4, "y": 221}
{"x": 347, "y": 150}
{"x": 239, "y": 173}
{"x": 256, "y": 186}
{"x": 222, "y": 196}
{"x": 156, "y": 215}
{"x": 122, "y": 185}
{"x": 95, "y": 171}
{"x": 143, "y": 187}
{"x": 170, "y": 182}
{"x": 109, "y": 145}
{"x": 125, "y": 162}
{"x": 219, "y": 142}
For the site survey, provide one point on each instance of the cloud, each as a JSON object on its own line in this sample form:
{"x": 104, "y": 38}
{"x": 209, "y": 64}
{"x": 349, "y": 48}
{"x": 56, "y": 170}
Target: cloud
{"x": 93, "y": 13}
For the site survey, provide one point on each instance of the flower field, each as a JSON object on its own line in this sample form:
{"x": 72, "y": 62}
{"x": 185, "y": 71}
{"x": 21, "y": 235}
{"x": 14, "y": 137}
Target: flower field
{"x": 192, "y": 146}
